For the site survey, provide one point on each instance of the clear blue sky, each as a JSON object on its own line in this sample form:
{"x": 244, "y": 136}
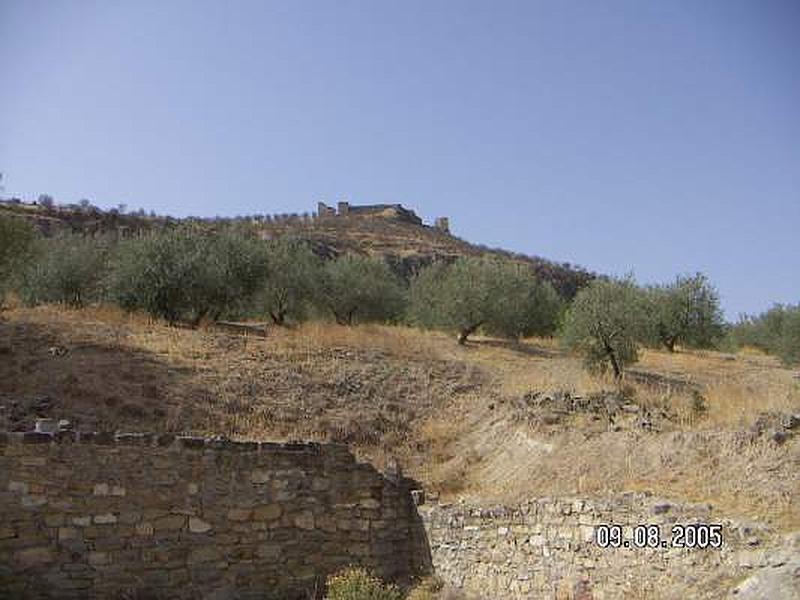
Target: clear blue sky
{"x": 660, "y": 137}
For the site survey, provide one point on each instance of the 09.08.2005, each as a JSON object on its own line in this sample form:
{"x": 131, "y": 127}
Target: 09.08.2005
{"x": 690, "y": 536}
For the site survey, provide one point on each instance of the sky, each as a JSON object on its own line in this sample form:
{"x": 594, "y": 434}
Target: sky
{"x": 652, "y": 137}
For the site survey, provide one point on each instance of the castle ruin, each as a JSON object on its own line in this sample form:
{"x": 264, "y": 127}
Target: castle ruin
{"x": 396, "y": 212}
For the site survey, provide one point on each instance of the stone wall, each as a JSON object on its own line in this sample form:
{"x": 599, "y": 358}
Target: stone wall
{"x": 545, "y": 548}
{"x": 138, "y": 516}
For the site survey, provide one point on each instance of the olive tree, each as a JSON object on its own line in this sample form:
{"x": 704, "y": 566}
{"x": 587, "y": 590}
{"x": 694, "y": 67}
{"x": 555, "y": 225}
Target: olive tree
{"x": 776, "y": 331}
{"x": 67, "y": 270}
{"x": 686, "y": 312}
{"x": 360, "y": 289}
{"x": 294, "y": 272}
{"x": 186, "y": 274}
{"x": 521, "y": 305}
{"x": 503, "y": 297}
{"x": 17, "y": 244}
{"x": 235, "y": 270}
{"x": 605, "y": 322}
{"x": 789, "y": 347}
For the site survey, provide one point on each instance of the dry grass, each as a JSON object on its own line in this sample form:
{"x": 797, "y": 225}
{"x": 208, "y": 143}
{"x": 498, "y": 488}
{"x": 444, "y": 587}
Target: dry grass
{"x": 447, "y": 412}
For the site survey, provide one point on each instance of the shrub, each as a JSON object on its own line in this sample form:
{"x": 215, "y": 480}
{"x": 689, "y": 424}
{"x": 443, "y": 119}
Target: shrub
{"x": 776, "y": 331}
{"x": 358, "y": 584}
{"x": 17, "y": 244}
{"x": 686, "y": 311}
{"x": 186, "y": 274}
{"x": 358, "y": 289}
{"x": 503, "y": 297}
{"x": 67, "y": 270}
{"x": 428, "y": 589}
{"x": 605, "y": 322}
{"x": 294, "y": 272}
{"x": 521, "y": 305}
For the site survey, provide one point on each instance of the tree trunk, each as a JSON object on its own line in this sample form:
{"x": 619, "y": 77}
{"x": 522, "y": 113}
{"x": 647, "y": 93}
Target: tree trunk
{"x": 199, "y": 317}
{"x": 344, "y": 319}
{"x": 612, "y": 358}
{"x": 465, "y": 333}
{"x": 277, "y": 317}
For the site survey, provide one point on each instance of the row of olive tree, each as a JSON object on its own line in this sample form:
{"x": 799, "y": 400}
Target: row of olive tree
{"x": 187, "y": 274}
{"x": 610, "y": 320}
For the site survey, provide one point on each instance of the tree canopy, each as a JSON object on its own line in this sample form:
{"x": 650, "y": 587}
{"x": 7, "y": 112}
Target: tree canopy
{"x": 360, "y": 289}
{"x": 503, "y": 297}
{"x": 605, "y": 323}
{"x": 686, "y": 311}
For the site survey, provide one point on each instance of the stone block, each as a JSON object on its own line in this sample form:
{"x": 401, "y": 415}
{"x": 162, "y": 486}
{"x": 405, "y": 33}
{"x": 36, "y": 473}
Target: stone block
{"x": 105, "y": 519}
{"x": 269, "y": 551}
{"x": 205, "y": 554}
{"x": 267, "y": 512}
{"x": 100, "y": 489}
{"x": 33, "y": 501}
{"x": 239, "y": 514}
{"x": 130, "y": 518}
{"x": 33, "y": 557}
{"x": 67, "y": 533}
{"x": 36, "y": 437}
{"x": 54, "y": 519}
{"x": 304, "y": 520}
{"x": 18, "y": 486}
{"x": 99, "y": 558}
{"x": 170, "y": 523}
{"x": 198, "y": 525}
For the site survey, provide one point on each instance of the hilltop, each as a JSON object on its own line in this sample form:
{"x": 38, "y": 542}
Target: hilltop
{"x": 390, "y": 231}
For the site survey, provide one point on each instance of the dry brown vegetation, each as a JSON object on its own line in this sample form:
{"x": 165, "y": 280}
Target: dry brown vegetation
{"x": 456, "y": 418}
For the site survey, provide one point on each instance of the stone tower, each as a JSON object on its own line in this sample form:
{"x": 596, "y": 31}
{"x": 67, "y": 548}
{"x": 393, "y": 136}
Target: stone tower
{"x": 442, "y": 224}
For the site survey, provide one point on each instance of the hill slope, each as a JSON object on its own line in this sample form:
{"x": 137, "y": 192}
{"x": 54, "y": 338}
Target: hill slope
{"x": 493, "y": 420}
{"x": 404, "y": 244}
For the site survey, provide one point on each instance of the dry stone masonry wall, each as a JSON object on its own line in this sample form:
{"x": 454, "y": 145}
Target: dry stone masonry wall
{"x": 141, "y": 516}
{"x": 546, "y": 548}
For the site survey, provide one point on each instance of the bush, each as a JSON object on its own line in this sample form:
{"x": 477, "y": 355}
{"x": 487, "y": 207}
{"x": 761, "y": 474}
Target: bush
{"x": 357, "y": 584}
{"x": 428, "y": 589}
{"x": 686, "y": 311}
{"x": 294, "y": 273}
{"x": 17, "y": 244}
{"x": 358, "y": 289}
{"x": 67, "y": 270}
{"x": 605, "y": 323}
{"x": 185, "y": 274}
{"x": 776, "y": 331}
{"x": 503, "y": 297}
{"x": 521, "y": 305}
